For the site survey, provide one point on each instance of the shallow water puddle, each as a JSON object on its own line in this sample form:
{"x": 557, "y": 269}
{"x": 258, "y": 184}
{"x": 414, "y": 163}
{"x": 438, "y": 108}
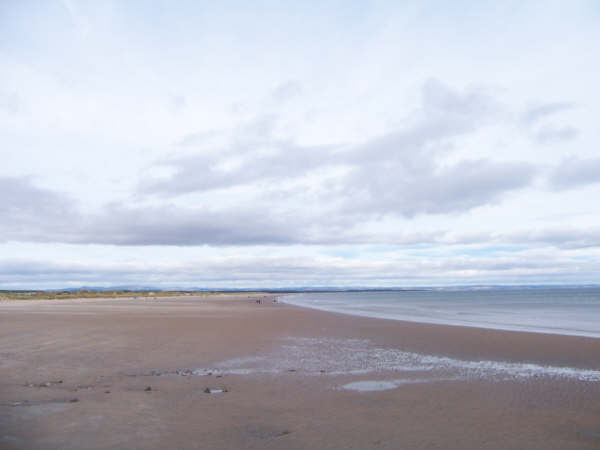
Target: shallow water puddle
{"x": 386, "y": 385}
{"x": 370, "y": 386}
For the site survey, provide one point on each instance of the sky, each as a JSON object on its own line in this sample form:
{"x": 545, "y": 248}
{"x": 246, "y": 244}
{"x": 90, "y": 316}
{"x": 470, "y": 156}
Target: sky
{"x": 287, "y": 144}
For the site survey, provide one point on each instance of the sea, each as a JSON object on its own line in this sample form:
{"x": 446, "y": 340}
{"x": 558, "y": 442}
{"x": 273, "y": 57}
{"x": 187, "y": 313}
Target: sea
{"x": 557, "y": 310}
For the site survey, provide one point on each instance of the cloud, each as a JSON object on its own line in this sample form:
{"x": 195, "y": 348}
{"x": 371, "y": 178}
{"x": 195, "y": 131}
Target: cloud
{"x": 177, "y": 102}
{"x": 286, "y": 91}
{"x": 37, "y": 215}
{"x": 33, "y": 214}
{"x": 548, "y": 134}
{"x": 397, "y": 173}
{"x": 439, "y": 98}
{"x": 263, "y": 190}
{"x": 193, "y": 139}
{"x": 423, "y": 190}
{"x": 80, "y": 22}
{"x": 282, "y": 271}
{"x": 445, "y": 114}
{"x": 119, "y": 225}
{"x": 564, "y": 237}
{"x": 10, "y": 102}
{"x": 575, "y": 172}
{"x": 535, "y": 122}
{"x": 243, "y": 163}
{"x": 30, "y": 212}
{"x": 537, "y": 113}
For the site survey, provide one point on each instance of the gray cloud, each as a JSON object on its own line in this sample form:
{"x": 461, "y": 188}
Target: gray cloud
{"x": 460, "y": 187}
{"x": 36, "y": 215}
{"x": 303, "y": 194}
{"x": 29, "y": 212}
{"x": 262, "y": 160}
{"x": 536, "y": 113}
{"x": 166, "y": 225}
{"x": 471, "y": 103}
{"x": 33, "y": 214}
{"x": 445, "y": 114}
{"x": 286, "y": 91}
{"x": 575, "y": 172}
{"x": 535, "y": 122}
{"x": 550, "y": 134}
{"x": 193, "y": 139}
{"x": 398, "y": 173}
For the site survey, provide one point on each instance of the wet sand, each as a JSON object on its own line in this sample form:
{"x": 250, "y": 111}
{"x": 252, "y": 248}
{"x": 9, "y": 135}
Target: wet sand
{"x": 75, "y": 374}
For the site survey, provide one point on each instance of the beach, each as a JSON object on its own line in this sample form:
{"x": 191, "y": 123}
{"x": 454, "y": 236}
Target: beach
{"x": 224, "y": 371}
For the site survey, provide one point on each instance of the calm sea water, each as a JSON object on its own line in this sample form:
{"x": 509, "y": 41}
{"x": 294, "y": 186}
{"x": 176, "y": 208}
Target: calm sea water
{"x": 572, "y": 311}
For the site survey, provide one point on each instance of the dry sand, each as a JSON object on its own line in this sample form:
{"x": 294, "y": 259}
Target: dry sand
{"x": 74, "y": 374}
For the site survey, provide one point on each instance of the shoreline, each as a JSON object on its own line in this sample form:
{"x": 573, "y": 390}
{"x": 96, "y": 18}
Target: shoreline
{"x": 487, "y": 326}
{"x": 469, "y": 342}
{"x": 283, "y": 376}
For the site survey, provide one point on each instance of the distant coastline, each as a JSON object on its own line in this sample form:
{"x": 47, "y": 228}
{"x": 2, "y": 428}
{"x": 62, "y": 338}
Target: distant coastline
{"x": 127, "y": 291}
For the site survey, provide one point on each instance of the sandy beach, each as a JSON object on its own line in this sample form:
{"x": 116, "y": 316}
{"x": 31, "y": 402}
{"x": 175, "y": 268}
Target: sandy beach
{"x": 223, "y": 371}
